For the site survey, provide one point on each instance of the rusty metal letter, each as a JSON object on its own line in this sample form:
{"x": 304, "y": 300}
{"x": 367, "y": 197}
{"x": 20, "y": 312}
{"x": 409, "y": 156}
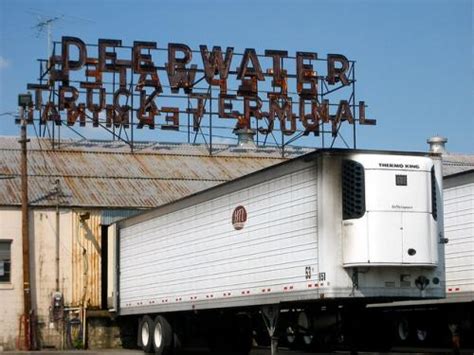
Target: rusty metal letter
{"x": 249, "y": 74}
{"x": 50, "y": 113}
{"x": 38, "y": 88}
{"x": 68, "y": 64}
{"x": 255, "y": 70}
{"x": 284, "y": 112}
{"x": 55, "y": 71}
{"x": 116, "y": 114}
{"x": 319, "y": 114}
{"x": 172, "y": 117}
{"x": 93, "y": 107}
{"x": 199, "y": 111}
{"x": 178, "y": 75}
{"x": 143, "y": 63}
{"x": 362, "y": 119}
{"x": 305, "y": 75}
{"x": 344, "y": 113}
{"x": 280, "y": 79}
{"x": 67, "y": 102}
{"x": 147, "y": 111}
{"x": 108, "y": 60}
{"x": 214, "y": 64}
{"x": 78, "y": 111}
{"x": 252, "y": 111}
{"x": 225, "y": 106}
{"x": 337, "y": 74}
{"x": 92, "y": 71}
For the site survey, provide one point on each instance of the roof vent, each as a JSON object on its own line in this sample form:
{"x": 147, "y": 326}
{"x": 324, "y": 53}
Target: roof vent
{"x": 437, "y": 144}
{"x": 245, "y": 136}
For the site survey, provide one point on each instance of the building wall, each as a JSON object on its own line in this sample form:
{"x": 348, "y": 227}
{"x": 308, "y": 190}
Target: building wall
{"x": 80, "y": 275}
{"x": 44, "y": 266}
{"x": 11, "y": 294}
{"x": 42, "y": 272}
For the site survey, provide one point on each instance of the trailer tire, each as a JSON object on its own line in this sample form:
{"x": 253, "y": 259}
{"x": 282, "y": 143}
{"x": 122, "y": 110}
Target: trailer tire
{"x": 422, "y": 334}
{"x": 403, "y": 330}
{"x": 241, "y": 334}
{"x": 162, "y": 336}
{"x": 305, "y": 330}
{"x": 291, "y": 336}
{"x": 145, "y": 334}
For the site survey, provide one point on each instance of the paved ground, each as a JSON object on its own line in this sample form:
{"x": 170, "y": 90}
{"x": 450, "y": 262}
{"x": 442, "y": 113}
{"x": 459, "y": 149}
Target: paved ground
{"x": 261, "y": 351}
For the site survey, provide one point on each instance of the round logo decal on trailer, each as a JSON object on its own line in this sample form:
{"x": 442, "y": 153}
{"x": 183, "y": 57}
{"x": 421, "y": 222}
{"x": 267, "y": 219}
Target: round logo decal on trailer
{"x": 239, "y": 217}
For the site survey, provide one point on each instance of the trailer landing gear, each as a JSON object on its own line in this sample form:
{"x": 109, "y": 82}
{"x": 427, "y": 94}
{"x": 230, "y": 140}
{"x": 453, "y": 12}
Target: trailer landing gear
{"x": 270, "y": 317}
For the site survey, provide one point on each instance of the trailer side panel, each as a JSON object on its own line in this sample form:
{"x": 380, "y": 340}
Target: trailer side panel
{"x": 459, "y": 229}
{"x": 196, "y": 255}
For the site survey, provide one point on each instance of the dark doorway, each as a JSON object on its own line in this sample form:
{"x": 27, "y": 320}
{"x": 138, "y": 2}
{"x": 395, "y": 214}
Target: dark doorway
{"x": 104, "y": 242}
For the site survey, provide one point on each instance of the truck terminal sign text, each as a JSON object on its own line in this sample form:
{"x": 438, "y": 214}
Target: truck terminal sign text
{"x": 119, "y": 86}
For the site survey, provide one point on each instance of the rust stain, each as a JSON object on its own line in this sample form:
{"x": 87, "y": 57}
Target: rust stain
{"x": 107, "y": 175}
{"x": 87, "y": 258}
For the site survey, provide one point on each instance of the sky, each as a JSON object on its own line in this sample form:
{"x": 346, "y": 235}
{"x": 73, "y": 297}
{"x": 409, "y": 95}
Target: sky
{"x": 414, "y": 59}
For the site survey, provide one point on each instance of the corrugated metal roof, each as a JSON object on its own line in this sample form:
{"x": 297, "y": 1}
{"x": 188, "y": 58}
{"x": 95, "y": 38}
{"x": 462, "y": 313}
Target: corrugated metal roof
{"x": 108, "y": 175}
{"x": 457, "y": 163}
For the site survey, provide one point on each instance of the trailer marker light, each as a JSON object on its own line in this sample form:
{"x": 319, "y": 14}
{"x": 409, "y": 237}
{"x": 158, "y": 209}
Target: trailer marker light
{"x": 456, "y": 289}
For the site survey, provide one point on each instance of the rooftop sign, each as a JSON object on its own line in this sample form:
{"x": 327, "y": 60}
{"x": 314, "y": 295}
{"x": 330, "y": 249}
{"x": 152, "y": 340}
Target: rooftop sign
{"x": 143, "y": 86}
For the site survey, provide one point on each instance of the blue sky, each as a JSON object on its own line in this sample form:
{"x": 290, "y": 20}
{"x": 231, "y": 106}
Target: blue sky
{"x": 414, "y": 58}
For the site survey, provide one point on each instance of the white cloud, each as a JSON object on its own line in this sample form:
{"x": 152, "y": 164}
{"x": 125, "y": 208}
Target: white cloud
{"x": 4, "y": 63}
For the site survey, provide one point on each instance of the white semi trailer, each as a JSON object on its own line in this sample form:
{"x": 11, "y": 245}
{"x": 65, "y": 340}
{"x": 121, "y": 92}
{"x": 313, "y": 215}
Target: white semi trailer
{"x": 333, "y": 229}
{"x": 434, "y": 322}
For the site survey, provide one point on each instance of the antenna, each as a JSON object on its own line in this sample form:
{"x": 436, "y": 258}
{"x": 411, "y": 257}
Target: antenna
{"x": 45, "y": 24}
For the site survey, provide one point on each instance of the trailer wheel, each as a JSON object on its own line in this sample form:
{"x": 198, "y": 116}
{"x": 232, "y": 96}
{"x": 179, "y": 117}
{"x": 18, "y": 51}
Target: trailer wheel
{"x": 305, "y": 330}
{"x": 145, "y": 335}
{"x": 162, "y": 336}
{"x": 403, "y": 329}
{"x": 241, "y": 333}
{"x": 421, "y": 334}
{"x": 290, "y": 336}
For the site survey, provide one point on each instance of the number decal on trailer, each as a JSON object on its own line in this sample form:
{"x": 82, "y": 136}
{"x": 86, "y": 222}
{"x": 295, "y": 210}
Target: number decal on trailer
{"x": 322, "y": 276}
{"x": 308, "y": 272}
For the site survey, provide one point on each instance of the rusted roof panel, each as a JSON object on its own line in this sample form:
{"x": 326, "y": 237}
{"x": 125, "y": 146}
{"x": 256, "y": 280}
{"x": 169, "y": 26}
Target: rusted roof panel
{"x": 107, "y": 174}
{"x": 457, "y": 163}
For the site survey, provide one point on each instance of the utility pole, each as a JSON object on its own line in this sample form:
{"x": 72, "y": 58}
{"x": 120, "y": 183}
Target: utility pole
{"x": 57, "y": 192}
{"x": 23, "y": 102}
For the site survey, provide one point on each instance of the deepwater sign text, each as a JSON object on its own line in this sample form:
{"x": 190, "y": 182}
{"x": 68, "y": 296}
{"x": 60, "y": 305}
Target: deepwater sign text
{"x": 119, "y": 86}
